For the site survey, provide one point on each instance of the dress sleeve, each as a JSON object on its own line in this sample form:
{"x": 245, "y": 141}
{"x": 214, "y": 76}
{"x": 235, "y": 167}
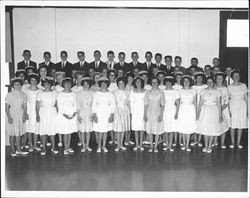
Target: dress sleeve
{"x": 112, "y": 103}
{"x": 245, "y": 90}
{"x": 8, "y": 98}
{"x": 95, "y": 103}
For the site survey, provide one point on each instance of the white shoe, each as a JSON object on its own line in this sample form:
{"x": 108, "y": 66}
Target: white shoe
{"x": 156, "y": 150}
{"x": 209, "y": 150}
{"x": 13, "y": 154}
{"x": 31, "y": 149}
{"x": 204, "y": 150}
{"x": 123, "y": 148}
{"x": 164, "y": 144}
{"x": 142, "y": 148}
{"x": 231, "y": 146}
{"x": 115, "y": 142}
{"x": 54, "y": 151}
{"x": 165, "y": 148}
{"x": 88, "y": 148}
{"x": 71, "y": 150}
{"x": 26, "y": 146}
{"x": 181, "y": 144}
{"x": 223, "y": 146}
{"x": 171, "y": 149}
{"x": 111, "y": 141}
{"x": 39, "y": 142}
{"x": 65, "y": 152}
{"x": 79, "y": 144}
{"x": 193, "y": 143}
{"x": 117, "y": 149}
{"x": 98, "y": 150}
{"x": 43, "y": 153}
{"x": 37, "y": 148}
{"x": 22, "y": 152}
{"x": 132, "y": 143}
{"x": 59, "y": 144}
{"x": 105, "y": 150}
{"x": 199, "y": 144}
{"x": 126, "y": 143}
{"x": 240, "y": 146}
{"x": 188, "y": 149}
{"x": 83, "y": 150}
{"x": 183, "y": 148}
{"x": 48, "y": 144}
{"x": 136, "y": 148}
{"x": 173, "y": 144}
{"x": 146, "y": 142}
{"x": 150, "y": 150}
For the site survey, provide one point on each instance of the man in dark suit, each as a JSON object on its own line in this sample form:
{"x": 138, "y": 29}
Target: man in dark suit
{"x": 110, "y": 63}
{"x": 178, "y": 61}
{"x": 97, "y": 64}
{"x": 81, "y": 65}
{"x": 47, "y": 62}
{"x": 194, "y": 64}
{"x": 64, "y": 65}
{"x": 216, "y": 62}
{"x": 168, "y": 68}
{"x": 26, "y": 62}
{"x": 134, "y": 63}
{"x": 208, "y": 71}
{"x": 148, "y": 64}
{"x": 122, "y": 64}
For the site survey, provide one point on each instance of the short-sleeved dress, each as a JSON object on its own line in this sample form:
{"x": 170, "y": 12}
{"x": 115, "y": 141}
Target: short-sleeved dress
{"x": 122, "y": 112}
{"x": 177, "y": 87}
{"x": 170, "y": 124}
{"x": 103, "y": 105}
{"x": 154, "y": 99}
{"x": 208, "y": 123}
{"x": 238, "y": 106}
{"x": 76, "y": 88}
{"x": 198, "y": 90}
{"x": 16, "y": 100}
{"x": 31, "y": 123}
{"x": 187, "y": 113}
{"x": 137, "y": 110}
{"x": 112, "y": 87}
{"x": 162, "y": 87}
{"x": 226, "y": 123}
{"x": 84, "y": 105}
{"x": 47, "y": 112}
{"x": 58, "y": 88}
{"x": 66, "y": 103}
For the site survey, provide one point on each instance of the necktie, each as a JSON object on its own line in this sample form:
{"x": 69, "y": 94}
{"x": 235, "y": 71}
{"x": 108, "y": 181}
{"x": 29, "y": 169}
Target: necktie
{"x": 122, "y": 64}
{"x": 96, "y": 65}
{"x": 80, "y": 64}
{"x": 228, "y": 81}
{"x": 26, "y": 63}
{"x": 110, "y": 65}
{"x": 63, "y": 64}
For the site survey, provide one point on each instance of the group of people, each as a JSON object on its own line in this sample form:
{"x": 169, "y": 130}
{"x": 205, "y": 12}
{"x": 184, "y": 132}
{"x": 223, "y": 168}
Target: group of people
{"x": 156, "y": 103}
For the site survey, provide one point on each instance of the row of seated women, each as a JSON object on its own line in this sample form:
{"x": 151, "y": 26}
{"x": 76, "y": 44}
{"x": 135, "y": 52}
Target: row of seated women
{"x": 162, "y": 108}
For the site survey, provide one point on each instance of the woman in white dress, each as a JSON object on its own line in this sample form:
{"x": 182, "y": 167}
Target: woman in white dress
{"x": 122, "y": 112}
{"x": 129, "y": 87}
{"x": 77, "y": 88}
{"x": 67, "y": 110}
{"x": 84, "y": 112}
{"x": 238, "y": 107}
{"x": 209, "y": 114}
{"x": 58, "y": 88}
{"x": 103, "y": 108}
{"x": 160, "y": 75}
{"x": 136, "y": 100}
{"x": 153, "y": 112}
{"x": 187, "y": 111}
{"x": 177, "y": 86}
{"x": 226, "y": 121}
{"x": 172, "y": 104}
{"x": 200, "y": 84}
{"x": 46, "y": 113}
{"x": 31, "y": 123}
{"x": 112, "y": 75}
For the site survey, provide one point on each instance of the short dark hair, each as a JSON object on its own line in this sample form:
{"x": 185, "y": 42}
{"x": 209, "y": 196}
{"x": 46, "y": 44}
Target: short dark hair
{"x": 97, "y": 51}
{"x": 67, "y": 80}
{"x": 24, "y": 51}
{"x": 168, "y": 80}
{"x": 33, "y": 76}
{"x": 42, "y": 66}
{"x": 64, "y": 52}
{"x": 105, "y": 81}
{"x": 220, "y": 74}
{"x": 210, "y": 77}
{"x": 194, "y": 58}
{"x": 153, "y": 78}
{"x": 110, "y": 52}
{"x": 43, "y": 81}
{"x": 208, "y": 66}
{"x": 16, "y": 80}
{"x": 121, "y": 79}
{"x": 134, "y": 53}
{"x": 142, "y": 82}
{"x": 148, "y": 52}
{"x": 158, "y": 54}
{"x": 80, "y": 52}
{"x": 177, "y": 57}
{"x": 19, "y": 72}
{"x": 190, "y": 81}
{"x": 168, "y": 56}
{"x": 235, "y": 71}
{"x": 121, "y": 53}
{"x": 46, "y": 53}
{"x": 90, "y": 82}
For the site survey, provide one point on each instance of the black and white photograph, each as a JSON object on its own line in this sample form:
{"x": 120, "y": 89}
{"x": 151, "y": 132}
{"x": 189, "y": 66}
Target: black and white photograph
{"x": 124, "y": 98}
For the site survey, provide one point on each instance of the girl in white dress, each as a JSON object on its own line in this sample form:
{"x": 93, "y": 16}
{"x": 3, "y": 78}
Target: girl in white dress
{"x": 16, "y": 115}
{"x": 177, "y": 86}
{"x": 144, "y": 75}
{"x": 160, "y": 75}
{"x": 153, "y": 113}
{"x": 129, "y": 86}
{"x": 67, "y": 110}
{"x": 209, "y": 114}
{"x": 96, "y": 77}
{"x": 77, "y": 88}
{"x": 238, "y": 107}
{"x": 31, "y": 123}
{"x": 42, "y": 73}
{"x": 122, "y": 112}
{"x": 226, "y": 121}
{"x": 199, "y": 85}
{"x": 187, "y": 111}
{"x": 136, "y": 100}
{"x": 112, "y": 74}
{"x": 103, "y": 108}
{"x": 58, "y": 88}
{"x": 46, "y": 113}
{"x": 172, "y": 104}
{"x": 84, "y": 112}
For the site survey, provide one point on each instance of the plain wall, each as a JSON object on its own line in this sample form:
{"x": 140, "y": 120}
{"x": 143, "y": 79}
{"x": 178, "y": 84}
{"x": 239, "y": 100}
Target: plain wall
{"x": 183, "y": 32}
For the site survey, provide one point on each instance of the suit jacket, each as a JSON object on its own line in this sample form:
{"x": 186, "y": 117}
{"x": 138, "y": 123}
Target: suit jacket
{"x": 126, "y": 67}
{"x": 168, "y": 71}
{"x": 131, "y": 65}
{"x": 100, "y": 66}
{"x": 183, "y": 70}
{"x": 67, "y": 68}
{"x": 145, "y": 67}
{"x": 21, "y": 65}
{"x": 197, "y": 69}
{"x": 84, "y": 68}
{"x": 49, "y": 67}
{"x": 108, "y": 66}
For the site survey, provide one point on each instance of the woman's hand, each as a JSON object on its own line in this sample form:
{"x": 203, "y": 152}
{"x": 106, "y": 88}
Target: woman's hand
{"x": 79, "y": 118}
{"x": 160, "y": 118}
{"x": 111, "y": 118}
{"x": 176, "y": 116}
{"x": 94, "y": 117}
{"x": 220, "y": 119}
{"x": 145, "y": 118}
{"x": 38, "y": 118}
{"x": 10, "y": 120}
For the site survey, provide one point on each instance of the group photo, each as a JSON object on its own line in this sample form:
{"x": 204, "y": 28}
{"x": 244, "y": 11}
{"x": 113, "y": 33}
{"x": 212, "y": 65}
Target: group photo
{"x": 98, "y": 99}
